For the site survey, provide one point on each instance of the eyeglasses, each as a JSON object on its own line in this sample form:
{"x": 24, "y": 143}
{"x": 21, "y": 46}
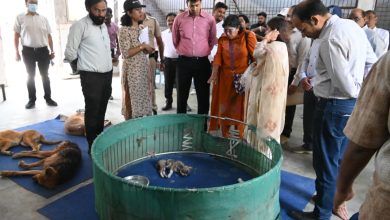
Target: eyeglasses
{"x": 356, "y": 19}
{"x": 230, "y": 30}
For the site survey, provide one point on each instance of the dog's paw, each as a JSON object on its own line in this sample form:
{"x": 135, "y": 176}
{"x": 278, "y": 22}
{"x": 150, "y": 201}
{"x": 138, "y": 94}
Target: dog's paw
{"x": 23, "y": 164}
{"x": 9, "y": 153}
{"x": 5, "y": 173}
{"x": 162, "y": 174}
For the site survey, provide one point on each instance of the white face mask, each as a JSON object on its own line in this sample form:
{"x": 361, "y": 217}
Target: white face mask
{"x": 32, "y": 7}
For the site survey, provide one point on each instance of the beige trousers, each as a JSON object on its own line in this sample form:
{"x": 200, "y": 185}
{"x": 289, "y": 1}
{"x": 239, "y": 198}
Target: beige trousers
{"x": 153, "y": 66}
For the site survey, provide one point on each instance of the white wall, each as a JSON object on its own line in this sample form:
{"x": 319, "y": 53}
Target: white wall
{"x": 366, "y": 4}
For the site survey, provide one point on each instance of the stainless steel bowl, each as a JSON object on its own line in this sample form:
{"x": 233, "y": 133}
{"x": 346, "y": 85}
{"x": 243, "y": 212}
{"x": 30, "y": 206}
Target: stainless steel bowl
{"x": 142, "y": 180}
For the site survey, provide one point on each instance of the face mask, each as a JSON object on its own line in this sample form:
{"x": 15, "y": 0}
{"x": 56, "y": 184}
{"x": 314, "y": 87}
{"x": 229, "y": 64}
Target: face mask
{"x": 32, "y": 8}
{"x": 97, "y": 20}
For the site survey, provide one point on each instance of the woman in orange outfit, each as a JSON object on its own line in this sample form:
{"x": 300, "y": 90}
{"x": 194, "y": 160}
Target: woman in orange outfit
{"x": 235, "y": 49}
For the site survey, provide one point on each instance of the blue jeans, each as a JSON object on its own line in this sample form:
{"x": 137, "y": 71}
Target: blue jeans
{"x": 329, "y": 142}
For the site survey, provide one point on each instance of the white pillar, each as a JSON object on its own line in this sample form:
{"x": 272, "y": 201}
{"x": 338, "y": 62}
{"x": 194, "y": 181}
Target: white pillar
{"x": 366, "y": 4}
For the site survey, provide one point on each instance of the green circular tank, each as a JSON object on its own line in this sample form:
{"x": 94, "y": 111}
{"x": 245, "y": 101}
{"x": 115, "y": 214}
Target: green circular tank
{"x": 116, "y": 198}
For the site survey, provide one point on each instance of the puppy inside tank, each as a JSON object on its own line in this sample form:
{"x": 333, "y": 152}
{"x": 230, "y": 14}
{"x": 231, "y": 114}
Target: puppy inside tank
{"x": 167, "y": 167}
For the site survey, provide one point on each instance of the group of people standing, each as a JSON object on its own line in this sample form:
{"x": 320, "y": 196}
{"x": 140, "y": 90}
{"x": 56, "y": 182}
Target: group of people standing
{"x": 281, "y": 57}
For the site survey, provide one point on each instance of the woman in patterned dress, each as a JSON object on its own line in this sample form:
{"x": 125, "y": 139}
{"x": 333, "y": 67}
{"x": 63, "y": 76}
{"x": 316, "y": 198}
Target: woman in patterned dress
{"x": 136, "y": 86}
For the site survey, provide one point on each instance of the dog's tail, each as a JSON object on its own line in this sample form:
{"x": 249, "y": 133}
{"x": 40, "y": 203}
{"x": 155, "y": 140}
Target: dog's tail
{"x": 44, "y": 141}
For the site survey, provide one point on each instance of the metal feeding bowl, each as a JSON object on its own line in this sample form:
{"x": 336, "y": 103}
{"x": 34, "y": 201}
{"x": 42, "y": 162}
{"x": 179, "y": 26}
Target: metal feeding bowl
{"x": 142, "y": 180}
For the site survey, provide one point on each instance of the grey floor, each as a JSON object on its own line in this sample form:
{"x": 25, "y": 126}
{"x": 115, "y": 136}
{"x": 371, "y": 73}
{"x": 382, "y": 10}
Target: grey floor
{"x": 18, "y": 203}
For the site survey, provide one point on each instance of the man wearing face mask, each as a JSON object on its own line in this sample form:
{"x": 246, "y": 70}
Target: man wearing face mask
{"x": 89, "y": 45}
{"x": 34, "y": 32}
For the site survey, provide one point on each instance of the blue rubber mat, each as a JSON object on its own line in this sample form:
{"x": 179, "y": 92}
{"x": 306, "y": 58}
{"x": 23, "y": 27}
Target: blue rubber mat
{"x": 52, "y": 130}
{"x": 80, "y": 204}
{"x": 295, "y": 192}
{"x": 207, "y": 171}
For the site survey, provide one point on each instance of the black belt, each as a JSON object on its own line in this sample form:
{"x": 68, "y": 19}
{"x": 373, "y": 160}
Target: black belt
{"x": 34, "y": 48}
{"x": 320, "y": 99}
{"x": 192, "y": 58}
{"x": 172, "y": 59}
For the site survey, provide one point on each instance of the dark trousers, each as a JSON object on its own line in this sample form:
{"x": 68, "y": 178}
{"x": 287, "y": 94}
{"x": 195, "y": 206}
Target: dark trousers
{"x": 290, "y": 110}
{"x": 32, "y": 56}
{"x": 309, "y": 105}
{"x": 200, "y": 70}
{"x": 170, "y": 77}
{"x": 97, "y": 90}
{"x": 329, "y": 143}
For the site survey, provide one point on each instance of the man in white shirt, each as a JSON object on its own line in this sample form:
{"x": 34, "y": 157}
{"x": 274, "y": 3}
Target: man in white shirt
{"x": 340, "y": 69}
{"x": 297, "y": 47}
{"x": 372, "y": 19}
{"x": 34, "y": 32}
{"x": 170, "y": 62}
{"x": 219, "y": 14}
{"x": 376, "y": 41}
{"x": 89, "y": 45}
{"x": 303, "y": 77}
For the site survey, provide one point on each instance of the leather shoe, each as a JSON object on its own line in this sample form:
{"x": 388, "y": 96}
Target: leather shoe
{"x": 299, "y": 215}
{"x": 189, "y": 108}
{"x": 303, "y": 149}
{"x": 51, "y": 102}
{"x": 167, "y": 107}
{"x": 154, "y": 111}
{"x": 30, "y": 104}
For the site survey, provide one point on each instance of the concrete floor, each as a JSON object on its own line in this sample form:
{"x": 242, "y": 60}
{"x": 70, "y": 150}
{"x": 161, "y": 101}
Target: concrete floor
{"x": 18, "y": 203}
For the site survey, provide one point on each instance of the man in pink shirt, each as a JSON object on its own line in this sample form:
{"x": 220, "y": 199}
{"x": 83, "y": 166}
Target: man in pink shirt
{"x": 113, "y": 30}
{"x": 193, "y": 36}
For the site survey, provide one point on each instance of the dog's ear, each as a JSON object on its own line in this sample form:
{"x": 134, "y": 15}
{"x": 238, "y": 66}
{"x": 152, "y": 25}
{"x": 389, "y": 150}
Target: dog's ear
{"x": 50, "y": 171}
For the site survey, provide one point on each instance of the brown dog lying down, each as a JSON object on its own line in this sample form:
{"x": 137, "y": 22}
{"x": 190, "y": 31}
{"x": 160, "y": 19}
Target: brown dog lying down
{"x": 28, "y": 138}
{"x": 58, "y": 165}
{"x": 74, "y": 124}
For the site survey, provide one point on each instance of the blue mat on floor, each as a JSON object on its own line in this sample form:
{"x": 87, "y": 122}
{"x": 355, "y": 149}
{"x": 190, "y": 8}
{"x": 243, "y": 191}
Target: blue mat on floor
{"x": 52, "y": 130}
{"x": 295, "y": 193}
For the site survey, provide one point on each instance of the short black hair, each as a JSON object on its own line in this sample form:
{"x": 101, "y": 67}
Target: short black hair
{"x": 306, "y": 9}
{"x": 109, "y": 10}
{"x": 220, "y": 5}
{"x": 370, "y": 12}
{"x": 246, "y": 19}
{"x": 192, "y": 1}
{"x": 262, "y": 14}
{"x": 278, "y": 23}
{"x": 169, "y": 15}
{"x": 90, "y": 3}
{"x": 232, "y": 21}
